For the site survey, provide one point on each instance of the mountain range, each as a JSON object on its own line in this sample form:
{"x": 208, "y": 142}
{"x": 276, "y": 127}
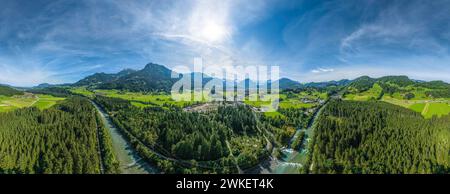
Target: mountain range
{"x": 154, "y": 77}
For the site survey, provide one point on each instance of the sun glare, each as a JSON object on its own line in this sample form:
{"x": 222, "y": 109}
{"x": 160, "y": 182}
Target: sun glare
{"x": 213, "y": 32}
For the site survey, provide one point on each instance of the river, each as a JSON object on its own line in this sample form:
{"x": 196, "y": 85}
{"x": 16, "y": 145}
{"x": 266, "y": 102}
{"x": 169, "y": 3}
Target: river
{"x": 130, "y": 161}
{"x": 291, "y": 160}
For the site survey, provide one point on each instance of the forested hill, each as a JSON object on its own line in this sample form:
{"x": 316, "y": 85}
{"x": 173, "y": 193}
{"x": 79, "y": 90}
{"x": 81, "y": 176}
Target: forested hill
{"x": 365, "y": 82}
{"x": 389, "y": 85}
{"x": 102, "y": 78}
{"x": 8, "y": 91}
{"x": 152, "y": 77}
{"x": 377, "y": 137}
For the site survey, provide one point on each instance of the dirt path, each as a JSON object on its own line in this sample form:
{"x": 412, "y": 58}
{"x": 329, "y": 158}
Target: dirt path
{"x": 426, "y": 108}
{"x": 37, "y": 99}
{"x": 240, "y": 171}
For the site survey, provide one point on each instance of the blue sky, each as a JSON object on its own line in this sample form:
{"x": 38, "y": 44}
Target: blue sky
{"x": 64, "y": 41}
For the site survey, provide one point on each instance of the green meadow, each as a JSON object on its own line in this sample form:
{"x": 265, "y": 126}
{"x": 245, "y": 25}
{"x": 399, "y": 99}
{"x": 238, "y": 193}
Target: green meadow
{"x": 82, "y": 91}
{"x": 40, "y": 101}
{"x": 401, "y": 102}
{"x": 302, "y": 99}
{"x": 46, "y": 101}
{"x": 287, "y": 100}
{"x": 417, "y": 107}
{"x": 438, "y": 109}
{"x": 420, "y": 102}
{"x": 141, "y": 99}
{"x": 428, "y": 108}
{"x": 373, "y": 93}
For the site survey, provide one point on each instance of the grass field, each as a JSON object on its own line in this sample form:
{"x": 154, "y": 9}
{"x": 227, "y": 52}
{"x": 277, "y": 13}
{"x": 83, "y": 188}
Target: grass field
{"x": 291, "y": 100}
{"x": 140, "y": 105}
{"x": 141, "y": 99}
{"x": 401, "y": 102}
{"x": 288, "y": 100}
{"x": 273, "y": 114}
{"x": 257, "y": 102}
{"x": 372, "y": 93}
{"x": 397, "y": 97}
{"x": 294, "y": 104}
{"x": 301, "y": 100}
{"x": 428, "y": 108}
{"x": 421, "y": 103}
{"x": 82, "y": 91}
{"x": 419, "y": 93}
{"x": 40, "y": 101}
{"x": 154, "y": 98}
{"x": 46, "y": 101}
{"x": 15, "y": 102}
{"x": 187, "y": 99}
{"x": 438, "y": 109}
{"x": 417, "y": 107}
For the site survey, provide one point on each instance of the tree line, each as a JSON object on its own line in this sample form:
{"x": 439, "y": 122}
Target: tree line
{"x": 8, "y": 91}
{"x": 377, "y": 137}
{"x": 59, "y": 140}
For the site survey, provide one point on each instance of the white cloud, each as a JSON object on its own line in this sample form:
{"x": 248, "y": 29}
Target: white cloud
{"x": 193, "y": 29}
{"x": 418, "y": 67}
{"x": 322, "y": 70}
{"x": 172, "y": 33}
{"x": 401, "y": 26}
{"x": 386, "y": 30}
{"x": 28, "y": 74}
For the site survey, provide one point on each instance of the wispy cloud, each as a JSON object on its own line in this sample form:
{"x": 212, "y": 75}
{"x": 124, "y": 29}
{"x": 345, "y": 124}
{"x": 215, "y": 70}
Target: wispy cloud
{"x": 24, "y": 72}
{"x": 399, "y": 27}
{"x": 62, "y": 41}
{"x": 419, "y": 67}
{"x": 322, "y": 70}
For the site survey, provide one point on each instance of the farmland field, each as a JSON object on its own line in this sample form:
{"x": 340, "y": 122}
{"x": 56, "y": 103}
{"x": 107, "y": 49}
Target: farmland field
{"x": 400, "y": 102}
{"x": 40, "y": 101}
{"x": 417, "y": 107}
{"x": 82, "y": 91}
{"x": 292, "y": 100}
{"x": 438, "y": 109}
{"x": 289, "y": 100}
{"x": 427, "y": 108}
{"x": 420, "y": 103}
{"x": 372, "y": 93}
{"x": 158, "y": 99}
{"x": 141, "y": 99}
{"x": 46, "y": 101}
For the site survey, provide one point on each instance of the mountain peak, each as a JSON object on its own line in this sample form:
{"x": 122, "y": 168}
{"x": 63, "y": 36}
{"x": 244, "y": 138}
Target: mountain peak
{"x": 153, "y": 66}
{"x": 286, "y": 83}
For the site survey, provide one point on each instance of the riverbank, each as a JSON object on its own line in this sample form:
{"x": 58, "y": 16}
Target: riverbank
{"x": 130, "y": 161}
{"x": 292, "y": 160}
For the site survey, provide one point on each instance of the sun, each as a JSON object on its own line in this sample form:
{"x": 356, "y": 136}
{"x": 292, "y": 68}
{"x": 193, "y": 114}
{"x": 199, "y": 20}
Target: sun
{"x": 213, "y": 32}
